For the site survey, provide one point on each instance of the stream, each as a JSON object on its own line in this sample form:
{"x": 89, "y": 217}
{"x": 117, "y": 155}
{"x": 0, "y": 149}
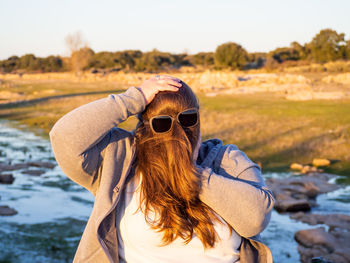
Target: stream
{"x": 52, "y": 210}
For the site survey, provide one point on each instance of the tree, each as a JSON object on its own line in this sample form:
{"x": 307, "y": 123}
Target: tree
{"x": 203, "y": 59}
{"x": 10, "y": 64}
{"x": 28, "y": 62}
{"x": 153, "y": 61}
{"x": 127, "y": 59}
{"x": 102, "y": 60}
{"x": 80, "y": 53}
{"x": 256, "y": 60}
{"x": 300, "y": 50}
{"x": 230, "y": 55}
{"x": 81, "y": 58}
{"x": 347, "y": 50}
{"x": 179, "y": 60}
{"x": 326, "y": 46}
{"x": 283, "y": 54}
{"x": 294, "y": 52}
{"x": 51, "y": 64}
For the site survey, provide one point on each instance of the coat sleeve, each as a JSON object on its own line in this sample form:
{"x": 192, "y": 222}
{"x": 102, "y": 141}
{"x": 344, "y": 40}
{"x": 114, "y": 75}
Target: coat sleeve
{"x": 79, "y": 137}
{"x": 235, "y": 189}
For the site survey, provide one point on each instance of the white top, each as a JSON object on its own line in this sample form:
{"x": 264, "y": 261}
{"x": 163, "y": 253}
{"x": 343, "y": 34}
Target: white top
{"x": 138, "y": 243}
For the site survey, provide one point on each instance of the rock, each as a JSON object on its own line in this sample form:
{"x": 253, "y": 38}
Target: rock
{"x": 7, "y": 211}
{"x": 298, "y": 193}
{"x": 320, "y": 162}
{"x": 292, "y": 205}
{"x": 305, "y": 218}
{"x": 332, "y": 246}
{"x": 302, "y": 184}
{"x": 316, "y": 237}
{"x": 34, "y": 172}
{"x": 48, "y": 165}
{"x": 334, "y": 221}
{"x": 6, "y": 178}
{"x": 18, "y": 166}
{"x": 296, "y": 166}
{"x": 320, "y": 260}
{"x": 306, "y": 169}
{"x": 310, "y": 169}
{"x": 12, "y": 167}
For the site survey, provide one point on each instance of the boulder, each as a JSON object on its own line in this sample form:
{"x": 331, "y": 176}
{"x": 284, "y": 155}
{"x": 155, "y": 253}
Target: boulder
{"x": 12, "y": 167}
{"x": 316, "y": 237}
{"x": 320, "y": 162}
{"x": 6, "y": 178}
{"x": 295, "y": 194}
{"x": 332, "y": 246}
{"x": 296, "y": 166}
{"x": 292, "y": 205}
{"x": 334, "y": 221}
{"x": 305, "y": 169}
{"x": 33, "y": 172}
{"x": 320, "y": 260}
{"x": 48, "y": 165}
{"x": 310, "y": 169}
{"x": 7, "y": 211}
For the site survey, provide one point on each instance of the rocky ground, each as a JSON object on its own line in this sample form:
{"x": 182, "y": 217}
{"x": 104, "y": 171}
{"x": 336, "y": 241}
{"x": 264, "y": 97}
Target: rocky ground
{"x": 291, "y": 86}
{"x": 297, "y": 196}
{"x": 6, "y": 177}
{"x": 294, "y": 195}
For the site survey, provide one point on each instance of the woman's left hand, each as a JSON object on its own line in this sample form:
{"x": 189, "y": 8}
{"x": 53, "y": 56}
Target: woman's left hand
{"x": 152, "y": 86}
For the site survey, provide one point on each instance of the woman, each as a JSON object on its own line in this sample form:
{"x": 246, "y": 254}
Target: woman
{"x": 160, "y": 194}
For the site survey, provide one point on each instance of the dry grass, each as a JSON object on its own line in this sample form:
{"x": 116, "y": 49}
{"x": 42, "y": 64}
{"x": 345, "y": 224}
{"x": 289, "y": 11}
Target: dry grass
{"x": 291, "y": 86}
{"x": 270, "y": 129}
{"x": 277, "y": 132}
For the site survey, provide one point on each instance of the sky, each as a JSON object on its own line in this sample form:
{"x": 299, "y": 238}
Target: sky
{"x": 40, "y": 26}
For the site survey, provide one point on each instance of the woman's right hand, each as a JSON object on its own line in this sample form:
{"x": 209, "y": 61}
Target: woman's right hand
{"x": 152, "y": 86}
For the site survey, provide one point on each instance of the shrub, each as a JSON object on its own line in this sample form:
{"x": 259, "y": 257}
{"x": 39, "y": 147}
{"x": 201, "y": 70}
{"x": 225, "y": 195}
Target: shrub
{"x": 230, "y": 55}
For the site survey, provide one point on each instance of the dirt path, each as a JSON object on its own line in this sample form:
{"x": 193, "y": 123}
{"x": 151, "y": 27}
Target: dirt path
{"x": 43, "y": 99}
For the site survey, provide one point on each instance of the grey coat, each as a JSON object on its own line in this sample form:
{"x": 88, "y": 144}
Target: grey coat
{"x": 93, "y": 152}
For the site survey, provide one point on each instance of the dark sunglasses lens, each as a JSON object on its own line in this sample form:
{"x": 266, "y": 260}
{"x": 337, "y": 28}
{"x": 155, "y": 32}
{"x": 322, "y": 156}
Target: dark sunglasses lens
{"x": 161, "y": 124}
{"x": 188, "y": 118}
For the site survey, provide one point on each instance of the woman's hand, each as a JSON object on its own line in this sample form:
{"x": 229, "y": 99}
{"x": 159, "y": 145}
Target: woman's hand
{"x": 152, "y": 86}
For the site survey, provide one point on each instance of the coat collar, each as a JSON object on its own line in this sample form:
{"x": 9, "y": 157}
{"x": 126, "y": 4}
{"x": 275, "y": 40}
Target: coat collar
{"x": 209, "y": 152}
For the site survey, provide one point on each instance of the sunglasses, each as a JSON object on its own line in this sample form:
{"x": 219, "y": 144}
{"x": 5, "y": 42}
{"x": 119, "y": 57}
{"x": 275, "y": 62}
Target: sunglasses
{"x": 164, "y": 123}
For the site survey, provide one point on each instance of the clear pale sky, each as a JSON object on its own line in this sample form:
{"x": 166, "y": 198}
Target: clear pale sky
{"x": 40, "y": 26}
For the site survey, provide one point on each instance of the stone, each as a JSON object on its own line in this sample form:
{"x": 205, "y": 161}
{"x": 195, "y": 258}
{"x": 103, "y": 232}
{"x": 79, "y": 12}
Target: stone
{"x": 292, "y": 205}
{"x": 315, "y": 237}
{"x": 295, "y": 194}
{"x": 332, "y": 245}
{"x": 320, "y": 260}
{"x": 34, "y": 172}
{"x": 320, "y": 162}
{"x": 6, "y": 178}
{"x": 334, "y": 221}
{"x": 306, "y": 169}
{"x": 12, "y": 167}
{"x": 48, "y": 165}
{"x": 7, "y": 211}
{"x": 296, "y": 166}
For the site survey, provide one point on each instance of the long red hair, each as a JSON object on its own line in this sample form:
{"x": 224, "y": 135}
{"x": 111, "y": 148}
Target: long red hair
{"x": 170, "y": 184}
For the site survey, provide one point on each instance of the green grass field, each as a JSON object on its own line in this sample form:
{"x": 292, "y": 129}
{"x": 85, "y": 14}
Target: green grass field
{"x": 270, "y": 129}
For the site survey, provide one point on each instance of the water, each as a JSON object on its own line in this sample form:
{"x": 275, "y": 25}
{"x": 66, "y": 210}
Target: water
{"x": 52, "y": 210}
{"x": 279, "y": 235}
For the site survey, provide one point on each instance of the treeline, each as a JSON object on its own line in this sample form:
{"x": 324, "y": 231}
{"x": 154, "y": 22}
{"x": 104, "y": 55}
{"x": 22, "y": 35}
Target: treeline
{"x": 31, "y": 63}
{"x": 326, "y": 46}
